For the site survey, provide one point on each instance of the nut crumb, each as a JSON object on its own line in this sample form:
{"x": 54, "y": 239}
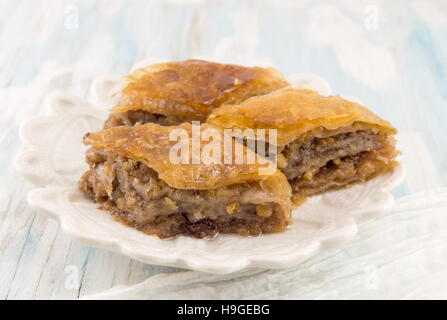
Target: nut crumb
{"x": 298, "y": 199}
{"x": 232, "y": 208}
{"x": 281, "y": 161}
{"x": 263, "y": 210}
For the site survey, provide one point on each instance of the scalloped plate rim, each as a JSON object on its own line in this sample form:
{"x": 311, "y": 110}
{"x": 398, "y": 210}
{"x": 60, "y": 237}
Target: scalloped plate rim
{"x": 342, "y": 235}
{"x": 176, "y": 261}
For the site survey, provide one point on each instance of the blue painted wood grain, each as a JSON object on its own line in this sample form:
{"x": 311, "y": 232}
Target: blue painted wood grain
{"x": 114, "y": 34}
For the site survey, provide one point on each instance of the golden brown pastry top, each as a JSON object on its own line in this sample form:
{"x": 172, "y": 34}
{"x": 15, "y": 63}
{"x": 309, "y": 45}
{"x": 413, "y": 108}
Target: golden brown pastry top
{"x": 293, "y": 112}
{"x": 150, "y": 144}
{"x": 191, "y": 89}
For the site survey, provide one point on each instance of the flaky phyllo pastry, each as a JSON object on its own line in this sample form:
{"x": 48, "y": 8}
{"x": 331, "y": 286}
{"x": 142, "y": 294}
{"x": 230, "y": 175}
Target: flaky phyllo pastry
{"x": 311, "y": 144}
{"x": 322, "y": 142}
{"x": 176, "y": 92}
{"x": 133, "y": 175}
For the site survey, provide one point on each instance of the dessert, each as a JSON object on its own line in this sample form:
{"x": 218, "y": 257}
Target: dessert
{"x": 148, "y": 170}
{"x": 322, "y": 142}
{"x": 133, "y": 176}
{"x": 175, "y": 92}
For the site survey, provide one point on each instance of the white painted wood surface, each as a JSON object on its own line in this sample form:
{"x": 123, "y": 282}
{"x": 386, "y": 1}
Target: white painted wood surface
{"x": 392, "y": 54}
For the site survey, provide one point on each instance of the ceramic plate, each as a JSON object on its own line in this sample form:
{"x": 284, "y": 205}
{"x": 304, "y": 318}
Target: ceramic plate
{"x": 54, "y": 160}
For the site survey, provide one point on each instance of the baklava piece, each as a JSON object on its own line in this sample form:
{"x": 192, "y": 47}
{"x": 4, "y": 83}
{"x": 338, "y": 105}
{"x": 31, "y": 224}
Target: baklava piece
{"x": 132, "y": 176}
{"x": 322, "y": 142}
{"x": 176, "y": 92}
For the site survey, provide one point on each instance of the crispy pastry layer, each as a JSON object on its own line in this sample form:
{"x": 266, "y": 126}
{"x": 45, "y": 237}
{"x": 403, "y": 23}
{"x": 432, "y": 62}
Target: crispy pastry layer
{"x": 132, "y": 177}
{"x": 150, "y": 143}
{"x": 190, "y": 90}
{"x": 323, "y": 142}
{"x": 294, "y": 112}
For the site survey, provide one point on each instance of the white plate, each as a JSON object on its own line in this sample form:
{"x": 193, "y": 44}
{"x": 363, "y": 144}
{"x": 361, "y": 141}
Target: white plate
{"x": 54, "y": 160}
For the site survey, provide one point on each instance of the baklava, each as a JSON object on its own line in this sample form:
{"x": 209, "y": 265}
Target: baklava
{"x": 176, "y": 92}
{"x": 132, "y": 175}
{"x": 322, "y": 142}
